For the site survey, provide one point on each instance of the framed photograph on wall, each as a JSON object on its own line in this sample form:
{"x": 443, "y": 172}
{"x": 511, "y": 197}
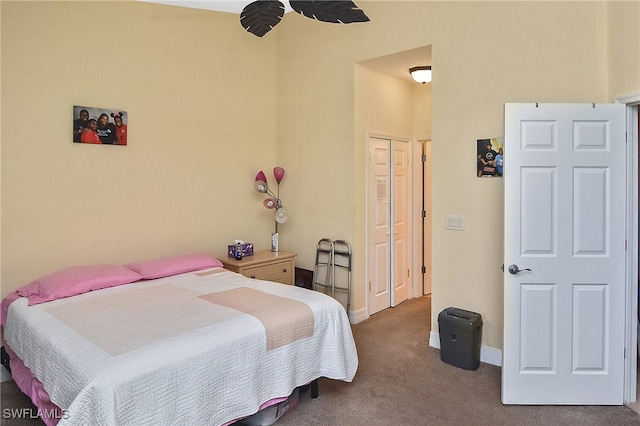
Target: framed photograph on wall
{"x": 490, "y": 157}
{"x": 99, "y": 126}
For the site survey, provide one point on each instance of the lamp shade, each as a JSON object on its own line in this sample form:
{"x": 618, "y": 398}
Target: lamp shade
{"x": 261, "y": 186}
{"x": 421, "y": 74}
{"x": 269, "y": 203}
{"x": 281, "y": 215}
{"x": 261, "y": 176}
{"x": 278, "y": 173}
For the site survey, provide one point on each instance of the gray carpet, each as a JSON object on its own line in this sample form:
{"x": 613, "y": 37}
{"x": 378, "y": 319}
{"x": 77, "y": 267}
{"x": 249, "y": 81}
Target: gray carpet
{"x": 17, "y": 408}
{"x": 402, "y": 381}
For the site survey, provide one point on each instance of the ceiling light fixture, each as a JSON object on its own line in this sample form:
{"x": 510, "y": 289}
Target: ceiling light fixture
{"x": 421, "y": 74}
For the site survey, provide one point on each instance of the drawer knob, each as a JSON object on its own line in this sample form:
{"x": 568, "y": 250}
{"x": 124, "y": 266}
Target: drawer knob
{"x": 284, "y": 269}
{"x": 253, "y": 276}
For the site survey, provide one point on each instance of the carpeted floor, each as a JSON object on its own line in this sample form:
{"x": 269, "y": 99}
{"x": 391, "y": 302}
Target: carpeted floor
{"x": 402, "y": 381}
{"x": 17, "y": 409}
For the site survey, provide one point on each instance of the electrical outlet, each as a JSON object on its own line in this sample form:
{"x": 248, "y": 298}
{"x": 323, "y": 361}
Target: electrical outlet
{"x": 455, "y": 223}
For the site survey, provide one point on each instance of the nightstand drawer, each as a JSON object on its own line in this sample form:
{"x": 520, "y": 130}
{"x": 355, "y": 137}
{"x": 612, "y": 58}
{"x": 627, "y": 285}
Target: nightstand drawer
{"x": 265, "y": 265}
{"x": 280, "y": 272}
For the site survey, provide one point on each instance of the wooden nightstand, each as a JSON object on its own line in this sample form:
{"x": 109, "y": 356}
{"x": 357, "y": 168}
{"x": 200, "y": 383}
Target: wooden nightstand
{"x": 265, "y": 265}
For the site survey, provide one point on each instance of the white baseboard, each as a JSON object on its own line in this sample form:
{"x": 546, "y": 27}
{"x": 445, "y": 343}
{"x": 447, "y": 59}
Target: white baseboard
{"x": 357, "y": 316}
{"x": 488, "y": 354}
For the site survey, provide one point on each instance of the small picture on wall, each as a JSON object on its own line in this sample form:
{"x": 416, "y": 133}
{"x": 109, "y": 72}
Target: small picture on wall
{"x": 99, "y": 126}
{"x": 490, "y": 157}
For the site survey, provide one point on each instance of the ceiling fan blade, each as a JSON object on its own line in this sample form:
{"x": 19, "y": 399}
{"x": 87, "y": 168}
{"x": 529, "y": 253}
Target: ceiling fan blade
{"x": 261, "y": 16}
{"x": 333, "y": 11}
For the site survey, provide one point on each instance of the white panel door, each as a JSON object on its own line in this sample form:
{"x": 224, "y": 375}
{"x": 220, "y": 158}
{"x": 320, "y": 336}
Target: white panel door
{"x": 400, "y": 214}
{"x": 379, "y": 225}
{"x": 388, "y": 231}
{"x": 564, "y": 280}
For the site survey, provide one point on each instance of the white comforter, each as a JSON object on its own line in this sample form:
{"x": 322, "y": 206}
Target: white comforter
{"x": 181, "y": 361}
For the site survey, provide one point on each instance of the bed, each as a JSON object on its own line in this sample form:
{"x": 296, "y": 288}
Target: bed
{"x": 169, "y": 341}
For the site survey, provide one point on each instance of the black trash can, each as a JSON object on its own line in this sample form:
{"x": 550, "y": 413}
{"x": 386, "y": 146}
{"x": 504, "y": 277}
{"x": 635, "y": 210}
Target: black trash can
{"x": 460, "y": 337}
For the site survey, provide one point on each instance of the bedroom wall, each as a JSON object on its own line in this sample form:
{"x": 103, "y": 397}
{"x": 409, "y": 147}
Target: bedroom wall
{"x": 623, "y": 41}
{"x": 210, "y": 105}
{"x": 201, "y": 97}
{"x": 484, "y": 55}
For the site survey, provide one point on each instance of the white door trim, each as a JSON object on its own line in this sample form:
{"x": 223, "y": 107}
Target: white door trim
{"x": 631, "y": 304}
{"x": 420, "y": 280}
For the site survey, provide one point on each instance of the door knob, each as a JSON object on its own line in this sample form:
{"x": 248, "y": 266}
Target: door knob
{"x": 514, "y": 269}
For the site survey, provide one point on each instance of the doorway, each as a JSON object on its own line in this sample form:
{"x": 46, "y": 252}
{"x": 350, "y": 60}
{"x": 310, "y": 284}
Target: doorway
{"x": 635, "y": 114}
{"x": 632, "y": 367}
{"x": 632, "y": 319}
{"x": 422, "y": 216}
{"x": 389, "y": 103}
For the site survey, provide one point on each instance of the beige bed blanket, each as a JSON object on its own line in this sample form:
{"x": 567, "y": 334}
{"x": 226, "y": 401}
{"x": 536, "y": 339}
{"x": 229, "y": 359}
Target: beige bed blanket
{"x": 195, "y": 348}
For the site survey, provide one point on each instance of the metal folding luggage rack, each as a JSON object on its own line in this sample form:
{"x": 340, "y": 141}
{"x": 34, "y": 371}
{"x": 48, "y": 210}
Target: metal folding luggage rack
{"x": 333, "y": 269}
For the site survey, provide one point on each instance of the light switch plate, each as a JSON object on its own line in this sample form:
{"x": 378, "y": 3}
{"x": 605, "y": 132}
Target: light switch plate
{"x": 455, "y": 223}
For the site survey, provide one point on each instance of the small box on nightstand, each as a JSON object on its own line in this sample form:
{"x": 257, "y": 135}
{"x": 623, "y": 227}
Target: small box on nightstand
{"x": 247, "y": 250}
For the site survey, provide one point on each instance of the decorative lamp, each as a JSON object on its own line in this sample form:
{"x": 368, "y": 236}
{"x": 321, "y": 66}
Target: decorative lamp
{"x": 261, "y": 186}
{"x": 421, "y": 74}
{"x": 281, "y": 215}
{"x": 278, "y": 173}
{"x": 273, "y": 201}
{"x": 269, "y": 203}
{"x": 261, "y": 182}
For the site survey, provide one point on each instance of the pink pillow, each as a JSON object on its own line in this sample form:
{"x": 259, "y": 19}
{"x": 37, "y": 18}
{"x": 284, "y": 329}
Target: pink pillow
{"x": 164, "y": 267}
{"x": 76, "y": 280}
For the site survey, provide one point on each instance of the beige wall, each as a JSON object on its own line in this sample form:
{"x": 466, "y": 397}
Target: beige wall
{"x": 200, "y": 94}
{"x": 209, "y": 105}
{"x": 484, "y": 55}
{"x": 623, "y": 45}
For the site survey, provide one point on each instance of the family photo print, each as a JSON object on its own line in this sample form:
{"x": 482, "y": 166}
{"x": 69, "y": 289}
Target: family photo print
{"x": 490, "y": 157}
{"x": 99, "y": 126}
